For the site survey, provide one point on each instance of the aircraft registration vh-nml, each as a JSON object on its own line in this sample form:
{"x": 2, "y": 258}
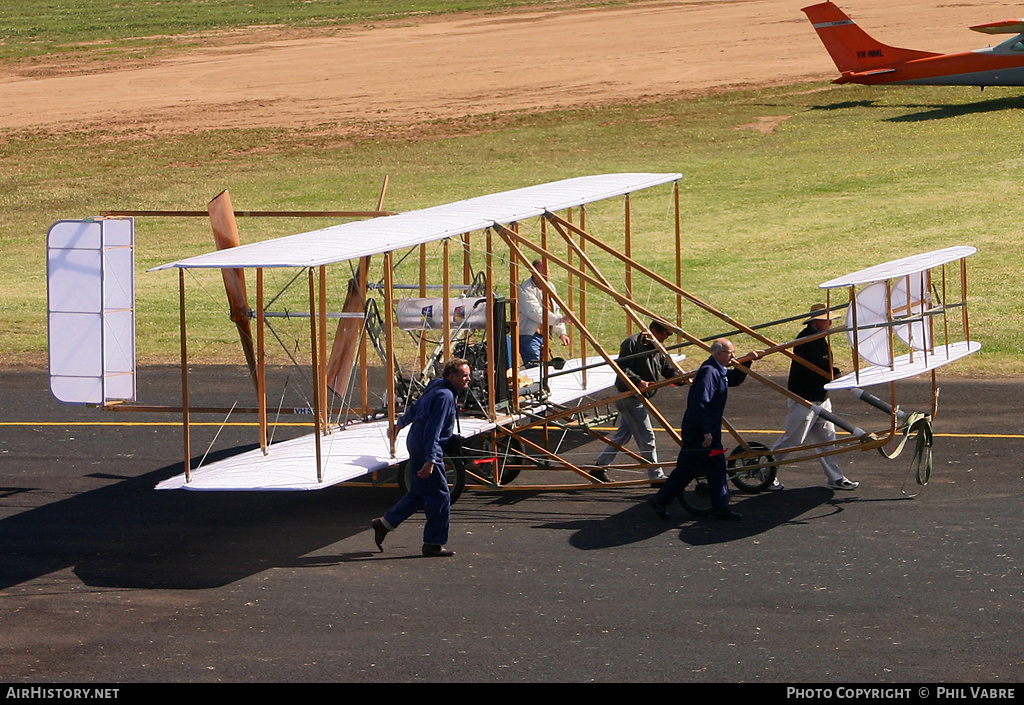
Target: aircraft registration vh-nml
{"x": 420, "y": 286}
{"x": 862, "y": 59}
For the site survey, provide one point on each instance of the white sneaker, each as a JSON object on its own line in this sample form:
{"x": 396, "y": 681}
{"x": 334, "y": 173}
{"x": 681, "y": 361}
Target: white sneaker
{"x": 843, "y": 484}
{"x": 656, "y": 474}
{"x": 776, "y": 485}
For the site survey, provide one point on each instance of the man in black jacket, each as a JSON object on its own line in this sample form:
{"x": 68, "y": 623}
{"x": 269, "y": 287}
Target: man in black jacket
{"x": 644, "y": 363}
{"x": 804, "y": 425}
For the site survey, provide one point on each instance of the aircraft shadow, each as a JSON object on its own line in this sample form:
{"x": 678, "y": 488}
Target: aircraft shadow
{"x": 761, "y": 513}
{"x": 935, "y": 111}
{"x": 846, "y": 104}
{"x": 127, "y": 535}
{"x": 941, "y": 112}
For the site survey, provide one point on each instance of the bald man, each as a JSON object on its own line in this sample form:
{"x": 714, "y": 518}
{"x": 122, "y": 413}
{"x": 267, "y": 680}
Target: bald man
{"x": 701, "y": 432}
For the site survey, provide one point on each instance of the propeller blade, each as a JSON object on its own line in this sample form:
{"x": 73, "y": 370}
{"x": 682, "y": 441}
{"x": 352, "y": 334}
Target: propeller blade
{"x": 345, "y": 349}
{"x": 225, "y": 235}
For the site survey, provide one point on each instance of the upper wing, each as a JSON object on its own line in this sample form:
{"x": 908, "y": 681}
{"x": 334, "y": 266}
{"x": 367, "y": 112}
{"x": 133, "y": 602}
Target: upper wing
{"x": 339, "y": 243}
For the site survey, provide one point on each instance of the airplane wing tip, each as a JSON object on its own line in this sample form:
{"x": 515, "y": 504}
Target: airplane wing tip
{"x": 1010, "y": 26}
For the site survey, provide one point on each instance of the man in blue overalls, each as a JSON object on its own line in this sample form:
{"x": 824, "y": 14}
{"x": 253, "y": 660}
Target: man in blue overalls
{"x": 432, "y": 418}
{"x": 701, "y": 434}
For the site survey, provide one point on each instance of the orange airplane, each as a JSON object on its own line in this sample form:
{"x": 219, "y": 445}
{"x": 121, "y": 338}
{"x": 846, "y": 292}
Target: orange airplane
{"x": 862, "y": 59}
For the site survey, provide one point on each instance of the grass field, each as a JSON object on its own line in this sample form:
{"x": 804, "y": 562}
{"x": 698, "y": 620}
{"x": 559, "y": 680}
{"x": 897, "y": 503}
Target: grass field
{"x": 784, "y": 188}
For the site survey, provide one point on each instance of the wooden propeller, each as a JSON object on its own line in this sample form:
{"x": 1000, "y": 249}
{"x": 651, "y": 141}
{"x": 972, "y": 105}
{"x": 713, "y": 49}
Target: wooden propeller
{"x": 345, "y": 348}
{"x": 225, "y": 234}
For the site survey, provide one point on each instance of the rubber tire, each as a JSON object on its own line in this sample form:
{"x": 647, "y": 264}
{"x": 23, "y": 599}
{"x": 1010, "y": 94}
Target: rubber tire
{"x": 696, "y": 498}
{"x": 747, "y": 480}
{"x": 455, "y": 469}
{"x": 481, "y": 446}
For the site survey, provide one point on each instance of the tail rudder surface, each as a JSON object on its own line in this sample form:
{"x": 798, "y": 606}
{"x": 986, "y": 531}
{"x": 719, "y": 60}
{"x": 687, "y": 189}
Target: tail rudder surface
{"x": 852, "y": 49}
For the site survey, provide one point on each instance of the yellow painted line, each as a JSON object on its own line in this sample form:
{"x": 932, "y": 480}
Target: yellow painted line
{"x": 980, "y": 435}
{"x": 310, "y": 424}
{"x": 758, "y": 431}
{"x": 937, "y": 435}
{"x": 146, "y": 423}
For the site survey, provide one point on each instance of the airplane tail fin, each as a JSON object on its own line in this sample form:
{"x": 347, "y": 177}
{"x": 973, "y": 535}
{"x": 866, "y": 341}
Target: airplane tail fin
{"x": 852, "y": 49}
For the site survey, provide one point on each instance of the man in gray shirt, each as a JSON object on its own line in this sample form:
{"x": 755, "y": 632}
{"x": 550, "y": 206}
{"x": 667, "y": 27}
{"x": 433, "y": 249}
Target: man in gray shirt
{"x": 644, "y": 363}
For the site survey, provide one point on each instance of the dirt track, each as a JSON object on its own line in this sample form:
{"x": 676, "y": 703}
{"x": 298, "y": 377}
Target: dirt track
{"x": 475, "y": 64}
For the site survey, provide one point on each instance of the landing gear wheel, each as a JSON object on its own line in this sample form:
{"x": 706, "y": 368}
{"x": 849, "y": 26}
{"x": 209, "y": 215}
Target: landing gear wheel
{"x": 696, "y": 498}
{"x": 756, "y": 480}
{"x": 509, "y": 456}
{"x": 454, "y": 470}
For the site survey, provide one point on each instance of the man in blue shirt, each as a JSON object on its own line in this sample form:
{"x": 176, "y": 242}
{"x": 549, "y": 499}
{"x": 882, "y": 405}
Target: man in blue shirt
{"x": 701, "y": 433}
{"x": 432, "y": 420}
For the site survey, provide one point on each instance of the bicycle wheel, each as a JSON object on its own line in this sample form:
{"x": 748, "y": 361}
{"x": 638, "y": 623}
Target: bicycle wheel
{"x": 696, "y": 498}
{"x": 508, "y": 452}
{"x": 752, "y": 480}
{"x": 454, "y": 470}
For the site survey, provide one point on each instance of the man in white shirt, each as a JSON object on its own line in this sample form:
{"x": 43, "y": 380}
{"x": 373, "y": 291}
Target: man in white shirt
{"x": 531, "y": 318}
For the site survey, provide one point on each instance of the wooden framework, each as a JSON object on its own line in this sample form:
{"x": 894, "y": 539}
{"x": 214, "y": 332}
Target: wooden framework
{"x": 515, "y": 433}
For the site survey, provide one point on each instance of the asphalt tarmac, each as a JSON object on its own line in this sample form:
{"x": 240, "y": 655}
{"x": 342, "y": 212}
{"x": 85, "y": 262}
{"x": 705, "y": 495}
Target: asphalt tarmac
{"x": 105, "y": 580}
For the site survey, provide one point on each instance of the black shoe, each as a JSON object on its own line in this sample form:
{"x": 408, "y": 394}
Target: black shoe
{"x": 658, "y": 507}
{"x": 432, "y": 549}
{"x": 725, "y": 513}
{"x": 379, "y": 532}
{"x": 599, "y": 474}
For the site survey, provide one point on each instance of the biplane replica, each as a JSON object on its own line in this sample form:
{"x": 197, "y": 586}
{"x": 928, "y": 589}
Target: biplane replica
{"x": 420, "y": 286}
{"x": 862, "y": 59}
